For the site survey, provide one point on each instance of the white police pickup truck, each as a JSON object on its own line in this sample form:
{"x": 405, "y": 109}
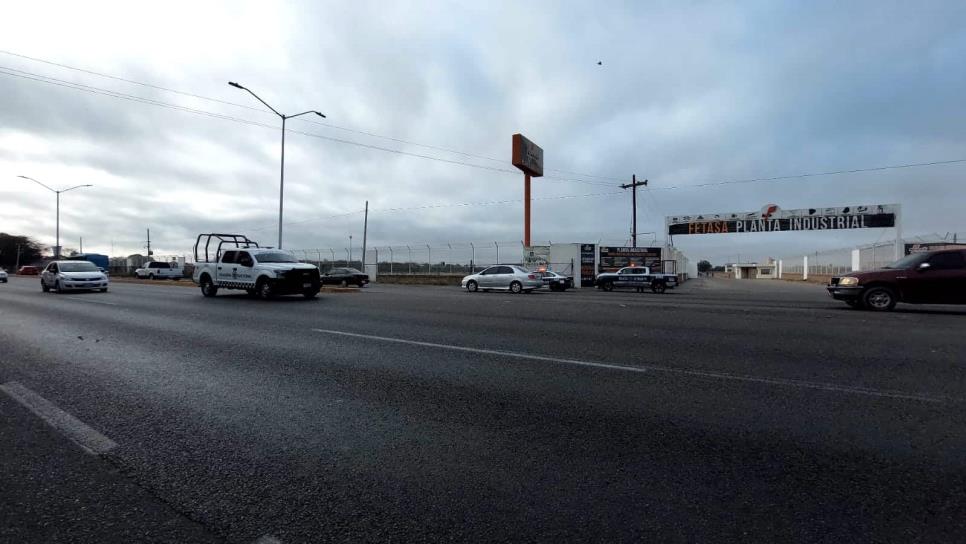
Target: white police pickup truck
{"x": 637, "y": 278}
{"x": 232, "y": 261}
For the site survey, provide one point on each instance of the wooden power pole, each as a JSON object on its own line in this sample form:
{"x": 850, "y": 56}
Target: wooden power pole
{"x": 633, "y": 185}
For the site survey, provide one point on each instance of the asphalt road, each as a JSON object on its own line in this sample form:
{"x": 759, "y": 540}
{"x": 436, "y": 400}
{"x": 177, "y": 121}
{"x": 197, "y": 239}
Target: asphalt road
{"x": 721, "y": 411}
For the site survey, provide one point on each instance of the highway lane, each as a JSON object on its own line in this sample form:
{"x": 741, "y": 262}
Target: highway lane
{"x": 248, "y": 420}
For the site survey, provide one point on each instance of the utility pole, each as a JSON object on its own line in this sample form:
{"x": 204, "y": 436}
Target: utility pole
{"x": 633, "y": 185}
{"x": 82, "y": 244}
{"x": 16, "y": 267}
{"x": 149, "y": 242}
{"x": 365, "y": 232}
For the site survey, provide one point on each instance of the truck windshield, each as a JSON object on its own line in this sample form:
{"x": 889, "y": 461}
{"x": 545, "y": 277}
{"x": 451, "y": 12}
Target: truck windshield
{"x": 78, "y": 266}
{"x": 276, "y": 257}
{"x": 908, "y": 261}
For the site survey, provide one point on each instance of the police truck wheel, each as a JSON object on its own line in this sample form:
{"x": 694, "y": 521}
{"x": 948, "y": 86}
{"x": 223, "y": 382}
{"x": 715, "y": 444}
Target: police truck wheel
{"x": 265, "y": 290}
{"x": 472, "y": 286}
{"x": 607, "y": 286}
{"x": 658, "y": 287}
{"x": 208, "y": 287}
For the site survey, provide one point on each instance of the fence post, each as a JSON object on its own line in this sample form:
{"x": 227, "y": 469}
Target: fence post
{"x": 410, "y": 260}
{"x": 779, "y": 269}
{"x": 805, "y": 267}
{"x": 856, "y": 260}
{"x": 472, "y": 258}
{"x": 390, "y": 260}
{"x": 429, "y": 257}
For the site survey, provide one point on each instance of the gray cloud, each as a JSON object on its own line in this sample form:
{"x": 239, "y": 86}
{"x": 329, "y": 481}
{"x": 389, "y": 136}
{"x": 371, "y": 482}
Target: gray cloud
{"x": 686, "y": 94}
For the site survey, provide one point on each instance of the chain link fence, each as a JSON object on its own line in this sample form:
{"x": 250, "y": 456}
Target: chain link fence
{"x": 832, "y": 262}
{"x": 456, "y": 258}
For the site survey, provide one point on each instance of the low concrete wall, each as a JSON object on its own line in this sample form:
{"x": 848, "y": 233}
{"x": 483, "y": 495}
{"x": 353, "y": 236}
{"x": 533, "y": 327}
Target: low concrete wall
{"x": 421, "y": 279}
{"x": 812, "y": 278}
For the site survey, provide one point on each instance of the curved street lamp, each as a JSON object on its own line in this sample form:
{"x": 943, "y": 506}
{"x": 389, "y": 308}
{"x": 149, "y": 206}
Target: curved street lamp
{"x": 281, "y": 183}
{"x": 55, "y": 191}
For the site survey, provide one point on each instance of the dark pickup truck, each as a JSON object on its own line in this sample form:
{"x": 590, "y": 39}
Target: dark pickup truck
{"x": 937, "y": 277}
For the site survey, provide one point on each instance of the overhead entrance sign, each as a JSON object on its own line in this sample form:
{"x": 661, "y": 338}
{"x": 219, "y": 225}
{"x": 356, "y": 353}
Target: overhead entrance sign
{"x": 773, "y": 219}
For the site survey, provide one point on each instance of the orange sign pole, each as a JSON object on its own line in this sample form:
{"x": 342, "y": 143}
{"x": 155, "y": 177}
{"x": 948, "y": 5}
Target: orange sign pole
{"x": 526, "y": 210}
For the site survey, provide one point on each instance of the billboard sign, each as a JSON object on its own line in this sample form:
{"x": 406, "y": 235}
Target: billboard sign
{"x": 527, "y": 156}
{"x": 536, "y": 258}
{"x": 771, "y": 218}
{"x": 613, "y": 259}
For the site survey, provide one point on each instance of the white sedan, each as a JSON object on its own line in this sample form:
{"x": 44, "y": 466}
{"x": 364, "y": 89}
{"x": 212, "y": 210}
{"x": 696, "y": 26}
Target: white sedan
{"x": 3, "y": 276}
{"x": 72, "y": 275}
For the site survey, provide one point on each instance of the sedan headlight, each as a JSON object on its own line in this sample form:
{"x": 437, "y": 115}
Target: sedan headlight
{"x": 848, "y": 281}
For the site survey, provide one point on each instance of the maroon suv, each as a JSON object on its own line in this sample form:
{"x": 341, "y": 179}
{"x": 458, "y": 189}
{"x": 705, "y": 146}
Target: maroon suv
{"x": 936, "y": 277}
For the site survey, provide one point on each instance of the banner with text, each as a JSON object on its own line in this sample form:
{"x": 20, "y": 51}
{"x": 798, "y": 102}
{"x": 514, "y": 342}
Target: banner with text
{"x": 771, "y": 218}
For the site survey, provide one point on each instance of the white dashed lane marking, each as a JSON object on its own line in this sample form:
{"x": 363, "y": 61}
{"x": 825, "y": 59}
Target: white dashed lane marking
{"x": 645, "y": 368}
{"x": 92, "y": 301}
{"x": 87, "y": 438}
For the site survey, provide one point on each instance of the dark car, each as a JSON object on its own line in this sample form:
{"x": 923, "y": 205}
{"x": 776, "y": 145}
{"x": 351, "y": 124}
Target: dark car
{"x": 937, "y": 277}
{"x": 345, "y": 277}
{"x": 557, "y": 282}
{"x": 28, "y": 271}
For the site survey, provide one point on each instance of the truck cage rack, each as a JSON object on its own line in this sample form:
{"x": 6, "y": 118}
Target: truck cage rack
{"x": 230, "y": 240}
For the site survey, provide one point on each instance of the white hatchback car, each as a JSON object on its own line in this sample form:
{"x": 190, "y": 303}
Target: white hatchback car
{"x": 73, "y": 275}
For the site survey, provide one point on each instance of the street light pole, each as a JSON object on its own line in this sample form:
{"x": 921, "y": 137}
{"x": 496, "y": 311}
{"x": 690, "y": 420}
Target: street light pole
{"x": 281, "y": 182}
{"x": 55, "y": 191}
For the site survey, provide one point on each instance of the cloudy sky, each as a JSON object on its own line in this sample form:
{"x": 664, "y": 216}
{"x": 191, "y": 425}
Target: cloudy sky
{"x": 422, "y": 99}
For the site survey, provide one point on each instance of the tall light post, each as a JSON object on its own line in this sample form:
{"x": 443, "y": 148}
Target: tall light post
{"x": 55, "y": 191}
{"x": 281, "y": 183}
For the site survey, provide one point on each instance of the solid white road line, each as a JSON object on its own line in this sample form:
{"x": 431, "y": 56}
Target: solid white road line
{"x": 267, "y": 539}
{"x": 87, "y": 438}
{"x": 644, "y": 368}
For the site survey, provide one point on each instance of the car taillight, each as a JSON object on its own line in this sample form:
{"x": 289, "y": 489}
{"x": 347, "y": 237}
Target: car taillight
{"x": 532, "y": 276}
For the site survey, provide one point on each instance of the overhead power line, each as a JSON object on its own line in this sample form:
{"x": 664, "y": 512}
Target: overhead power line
{"x": 150, "y": 101}
{"x": 815, "y": 174}
{"x": 115, "y": 94}
{"x": 310, "y": 121}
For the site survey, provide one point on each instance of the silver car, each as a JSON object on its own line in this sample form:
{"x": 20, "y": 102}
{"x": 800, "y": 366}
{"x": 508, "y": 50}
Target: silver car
{"x": 503, "y": 277}
{"x": 70, "y": 275}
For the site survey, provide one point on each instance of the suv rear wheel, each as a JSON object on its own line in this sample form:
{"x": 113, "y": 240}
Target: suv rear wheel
{"x": 879, "y": 299}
